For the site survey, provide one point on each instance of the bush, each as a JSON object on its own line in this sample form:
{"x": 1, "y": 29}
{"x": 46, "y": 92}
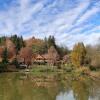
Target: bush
{"x": 68, "y": 67}
{"x": 82, "y": 70}
{"x": 92, "y": 68}
{"x": 15, "y": 62}
{"x": 3, "y": 67}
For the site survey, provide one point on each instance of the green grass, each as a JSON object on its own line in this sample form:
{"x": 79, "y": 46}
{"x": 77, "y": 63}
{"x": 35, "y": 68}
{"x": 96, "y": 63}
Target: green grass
{"x": 45, "y": 69}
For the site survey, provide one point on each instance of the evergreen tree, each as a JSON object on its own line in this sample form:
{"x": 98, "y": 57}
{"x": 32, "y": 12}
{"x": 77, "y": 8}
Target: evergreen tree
{"x": 5, "y": 56}
{"x": 15, "y": 62}
{"x": 19, "y": 42}
{"x": 18, "y": 46}
{"x": 2, "y": 40}
{"x": 22, "y": 43}
{"x": 51, "y": 41}
{"x": 62, "y": 50}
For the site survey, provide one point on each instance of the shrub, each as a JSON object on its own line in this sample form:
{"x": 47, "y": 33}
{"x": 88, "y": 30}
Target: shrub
{"x": 68, "y": 67}
{"x": 92, "y": 68}
{"x": 15, "y": 62}
{"x": 3, "y": 67}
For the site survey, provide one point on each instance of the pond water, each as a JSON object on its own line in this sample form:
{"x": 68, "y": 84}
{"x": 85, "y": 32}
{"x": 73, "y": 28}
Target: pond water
{"x": 24, "y": 86}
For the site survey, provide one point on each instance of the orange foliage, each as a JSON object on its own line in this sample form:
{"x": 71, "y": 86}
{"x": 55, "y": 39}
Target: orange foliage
{"x": 33, "y": 41}
{"x": 26, "y": 53}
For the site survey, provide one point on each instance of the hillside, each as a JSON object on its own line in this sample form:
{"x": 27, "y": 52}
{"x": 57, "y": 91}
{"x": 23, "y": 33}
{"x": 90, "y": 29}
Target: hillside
{"x": 33, "y": 41}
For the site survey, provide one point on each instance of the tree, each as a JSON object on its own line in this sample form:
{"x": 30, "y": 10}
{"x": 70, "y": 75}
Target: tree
{"x": 50, "y": 41}
{"x": 18, "y": 46}
{"x": 11, "y": 48}
{"x": 62, "y": 50}
{"x": 2, "y": 40}
{"x": 78, "y": 55}
{"x": 39, "y": 49}
{"x": 18, "y": 41}
{"x": 53, "y": 55}
{"x": 5, "y": 56}
{"x": 15, "y": 62}
{"x": 22, "y": 42}
{"x": 27, "y": 54}
{"x": 93, "y": 53}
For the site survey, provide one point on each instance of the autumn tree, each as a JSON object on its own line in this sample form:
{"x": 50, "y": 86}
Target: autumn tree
{"x": 93, "y": 53}
{"x": 1, "y": 51}
{"x": 27, "y": 54}
{"x": 11, "y": 48}
{"x": 53, "y": 55}
{"x": 51, "y": 41}
{"x": 78, "y": 55}
{"x": 43, "y": 46}
{"x": 39, "y": 49}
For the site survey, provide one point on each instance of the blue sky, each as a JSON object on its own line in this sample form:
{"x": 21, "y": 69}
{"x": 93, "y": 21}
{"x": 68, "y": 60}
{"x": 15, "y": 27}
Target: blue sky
{"x": 70, "y": 21}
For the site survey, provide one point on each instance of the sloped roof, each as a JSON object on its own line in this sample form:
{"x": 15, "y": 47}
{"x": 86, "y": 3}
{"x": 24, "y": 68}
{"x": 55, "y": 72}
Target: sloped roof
{"x": 45, "y": 56}
{"x": 39, "y": 57}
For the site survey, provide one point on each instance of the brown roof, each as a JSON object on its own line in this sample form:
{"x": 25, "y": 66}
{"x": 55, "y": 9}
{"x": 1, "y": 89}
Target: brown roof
{"x": 40, "y": 57}
{"x": 45, "y": 56}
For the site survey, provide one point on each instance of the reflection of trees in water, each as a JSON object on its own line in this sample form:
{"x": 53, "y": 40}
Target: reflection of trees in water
{"x": 95, "y": 90}
{"x": 80, "y": 90}
{"x": 8, "y": 90}
{"x": 23, "y": 87}
{"x": 16, "y": 87}
{"x": 83, "y": 90}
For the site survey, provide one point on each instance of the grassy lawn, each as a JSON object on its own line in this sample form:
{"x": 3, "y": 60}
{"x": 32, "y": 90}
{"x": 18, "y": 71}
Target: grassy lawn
{"x": 45, "y": 69}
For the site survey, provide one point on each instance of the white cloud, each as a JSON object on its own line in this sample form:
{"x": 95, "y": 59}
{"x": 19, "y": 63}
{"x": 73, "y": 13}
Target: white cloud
{"x": 63, "y": 21}
{"x": 28, "y": 19}
{"x": 71, "y": 39}
{"x": 88, "y": 14}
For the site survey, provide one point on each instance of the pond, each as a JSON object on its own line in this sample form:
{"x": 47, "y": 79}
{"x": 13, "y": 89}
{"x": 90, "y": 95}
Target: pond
{"x": 25, "y": 86}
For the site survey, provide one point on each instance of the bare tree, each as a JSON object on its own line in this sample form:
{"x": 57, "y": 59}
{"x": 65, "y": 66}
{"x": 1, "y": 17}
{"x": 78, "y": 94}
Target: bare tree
{"x": 53, "y": 55}
{"x": 26, "y": 53}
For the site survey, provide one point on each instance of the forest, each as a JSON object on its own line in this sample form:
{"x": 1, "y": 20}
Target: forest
{"x": 16, "y": 53}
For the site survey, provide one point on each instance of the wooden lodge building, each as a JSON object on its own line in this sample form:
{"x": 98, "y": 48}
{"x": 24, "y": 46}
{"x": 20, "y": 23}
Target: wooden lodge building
{"x": 39, "y": 59}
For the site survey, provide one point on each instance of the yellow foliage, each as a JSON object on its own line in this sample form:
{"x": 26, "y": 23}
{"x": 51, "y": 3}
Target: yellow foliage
{"x": 78, "y": 55}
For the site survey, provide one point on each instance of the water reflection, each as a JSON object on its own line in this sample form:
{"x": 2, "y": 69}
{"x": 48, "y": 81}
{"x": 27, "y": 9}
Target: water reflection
{"x": 65, "y": 96}
{"x": 23, "y": 86}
